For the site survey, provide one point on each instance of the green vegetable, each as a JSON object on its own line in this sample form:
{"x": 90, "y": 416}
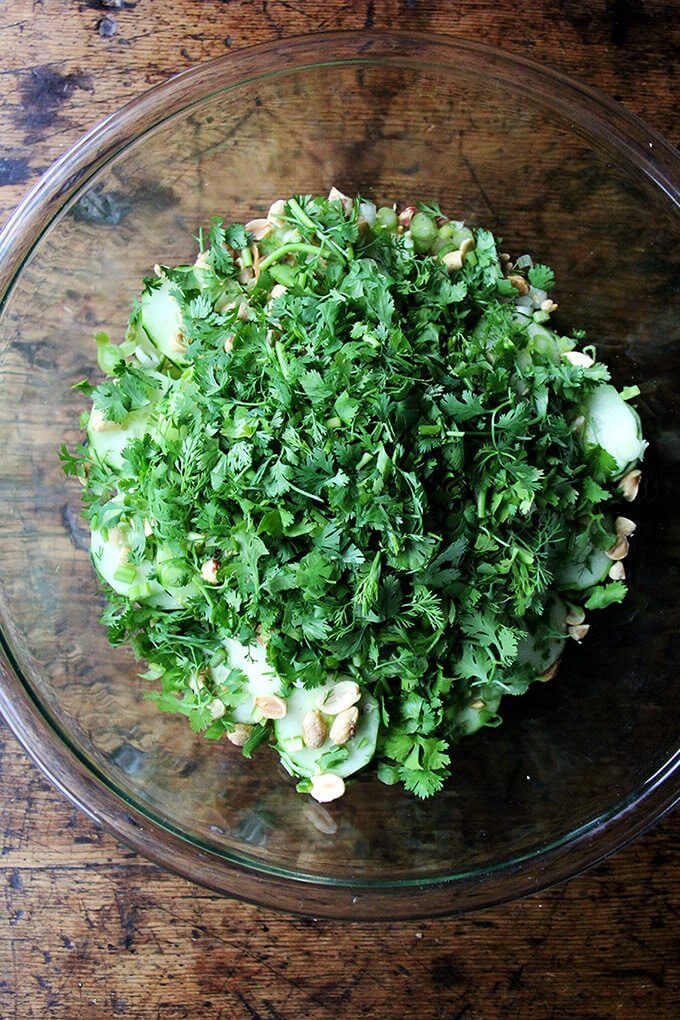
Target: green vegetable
{"x": 343, "y": 760}
{"x": 386, "y": 220}
{"x": 614, "y": 426}
{"x": 241, "y": 677}
{"x": 583, "y": 566}
{"x": 108, "y": 354}
{"x": 126, "y": 573}
{"x": 283, "y": 274}
{"x": 542, "y": 277}
{"x": 606, "y": 595}
{"x": 161, "y": 320}
{"x": 109, "y": 443}
{"x": 171, "y": 572}
{"x": 384, "y": 474}
{"x": 423, "y": 231}
{"x": 543, "y": 645}
{"x": 129, "y": 580}
{"x": 461, "y": 234}
{"x": 140, "y": 590}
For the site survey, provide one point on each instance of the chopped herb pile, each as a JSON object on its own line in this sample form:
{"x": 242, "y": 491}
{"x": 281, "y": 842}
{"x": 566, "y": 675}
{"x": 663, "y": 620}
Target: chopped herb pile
{"x": 347, "y": 488}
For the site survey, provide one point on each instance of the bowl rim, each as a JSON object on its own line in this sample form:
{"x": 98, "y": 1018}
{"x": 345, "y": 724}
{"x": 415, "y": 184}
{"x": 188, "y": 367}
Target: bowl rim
{"x": 63, "y": 765}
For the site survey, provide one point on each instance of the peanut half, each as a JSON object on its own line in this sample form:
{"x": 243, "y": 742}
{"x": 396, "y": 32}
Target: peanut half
{"x": 343, "y": 695}
{"x": 619, "y": 550}
{"x": 209, "y": 571}
{"x": 271, "y": 706}
{"x": 327, "y": 787}
{"x": 239, "y": 735}
{"x": 624, "y": 527}
{"x": 345, "y": 725}
{"x": 314, "y": 729}
{"x": 630, "y": 484}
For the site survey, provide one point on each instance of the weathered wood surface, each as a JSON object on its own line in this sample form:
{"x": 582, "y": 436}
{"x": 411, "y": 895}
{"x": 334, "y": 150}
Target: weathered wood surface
{"x": 91, "y": 930}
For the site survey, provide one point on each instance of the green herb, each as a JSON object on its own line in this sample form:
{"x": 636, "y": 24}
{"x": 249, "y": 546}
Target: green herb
{"x": 541, "y": 277}
{"x": 258, "y": 735}
{"x": 383, "y": 461}
{"x": 128, "y": 390}
{"x": 606, "y": 595}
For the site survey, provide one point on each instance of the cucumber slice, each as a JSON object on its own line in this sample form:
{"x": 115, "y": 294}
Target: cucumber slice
{"x": 541, "y": 338}
{"x": 539, "y": 649}
{"x": 544, "y": 340}
{"x": 180, "y": 593}
{"x": 614, "y": 425}
{"x": 468, "y": 719}
{"x": 304, "y": 761}
{"x": 109, "y": 443}
{"x": 145, "y": 353}
{"x": 161, "y": 319}
{"x": 260, "y": 678}
{"x": 108, "y": 556}
{"x": 585, "y": 567}
{"x": 543, "y": 646}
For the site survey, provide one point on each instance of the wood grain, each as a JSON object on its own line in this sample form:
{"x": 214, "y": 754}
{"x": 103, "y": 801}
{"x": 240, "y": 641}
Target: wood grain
{"x": 91, "y": 930}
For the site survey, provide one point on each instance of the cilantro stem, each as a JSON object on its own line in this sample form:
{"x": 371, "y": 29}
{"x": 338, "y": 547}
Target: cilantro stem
{"x": 303, "y": 492}
{"x": 286, "y": 249}
{"x": 282, "y": 360}
{"x": 306, "y": 220}
{"x": 316, "y": 228}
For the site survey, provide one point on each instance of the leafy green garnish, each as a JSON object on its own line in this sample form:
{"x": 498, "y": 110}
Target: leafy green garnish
{"x": 606, "y": 595}
{"x": 541, "y": 277}
{"x": 128, "y": 390}
{"x": 382, "y": 459}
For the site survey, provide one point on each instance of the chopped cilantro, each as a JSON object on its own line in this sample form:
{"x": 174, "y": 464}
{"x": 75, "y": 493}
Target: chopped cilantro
{"x": 365, "y": 450}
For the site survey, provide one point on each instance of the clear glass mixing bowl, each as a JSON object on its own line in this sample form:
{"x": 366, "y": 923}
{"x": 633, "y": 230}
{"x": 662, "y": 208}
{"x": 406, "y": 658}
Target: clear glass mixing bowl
{"x": 582, "y": 764}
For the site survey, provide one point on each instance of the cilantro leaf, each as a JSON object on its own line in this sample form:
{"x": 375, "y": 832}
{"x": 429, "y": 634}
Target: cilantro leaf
{"x": 607, "y": 594}
{"x": 541, "y": 277}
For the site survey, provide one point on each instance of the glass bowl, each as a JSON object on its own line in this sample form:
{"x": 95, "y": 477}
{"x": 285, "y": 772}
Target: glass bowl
{"x": 581, "y": 765}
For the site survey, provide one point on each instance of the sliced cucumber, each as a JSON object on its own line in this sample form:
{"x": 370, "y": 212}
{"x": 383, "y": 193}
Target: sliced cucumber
{"x": 161, "y": 319}
{"x": 614, "y": 425}
{"x": 543, "y": 646}
{"x": 544, "y": 340}
{"x": 469, "y": 719}
{"x": 541, "y": 338}
{"x": 585, "y": 567}
{"x": 304, "y": 761}
{"x": 259, "y": 678}
{"x": 109, "y": 443}
{"x": 109, "y": 556}
{"x": 146, "y": 354}
{"x": 180, "y": 593}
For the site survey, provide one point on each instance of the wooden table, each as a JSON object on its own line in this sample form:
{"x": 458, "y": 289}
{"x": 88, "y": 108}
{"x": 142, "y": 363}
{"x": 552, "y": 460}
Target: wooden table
{"x": 89, "y": 929}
